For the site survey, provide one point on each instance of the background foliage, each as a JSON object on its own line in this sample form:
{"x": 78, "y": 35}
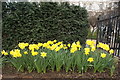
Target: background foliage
{"x": 92, "y": 35}
{"x": 40, "y": 22}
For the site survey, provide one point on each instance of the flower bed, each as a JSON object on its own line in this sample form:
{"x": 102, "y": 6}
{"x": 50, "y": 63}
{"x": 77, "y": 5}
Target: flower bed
{"x": 56, "y": 56}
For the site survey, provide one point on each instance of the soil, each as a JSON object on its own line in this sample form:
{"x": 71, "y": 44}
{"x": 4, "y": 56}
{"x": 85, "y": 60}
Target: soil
{"x": 8, "y": 72}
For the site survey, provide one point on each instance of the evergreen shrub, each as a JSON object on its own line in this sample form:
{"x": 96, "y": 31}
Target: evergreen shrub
{"x": 40, "y": 22}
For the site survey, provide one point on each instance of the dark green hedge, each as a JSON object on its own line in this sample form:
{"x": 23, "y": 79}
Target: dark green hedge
{"x": 40, "y": 22}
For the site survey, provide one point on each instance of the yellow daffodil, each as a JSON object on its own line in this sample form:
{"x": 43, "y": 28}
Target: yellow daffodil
{"x": 87, "y": 53}
{"x": 11, "y": 52}
{"x": 55, "y": 41}
{"x": 90, "y": 59}
{"x": 53, "y": 47}
{"x": 90, "y": 42}
{"x": 111, "y": 51}
{"x": 103, "y": 55}
{"x": 36, "y": 46}
{"x": 26, "y": 44}
{"x": 16, "y": 53}
{"x": 33, "y": 46}
{"x": 100, "y": 44}
{"x": 25, "y": 52}
{"x": 59, "y": 43}
{"x": 61, "y": 46}
{"x": 78, "y": 42}
{"x": 68, "y": 45}
{"x": 79, "y": 46}
{"x": 43, "y": 54}
{"x": 72, "y": 50}
{"x": 45, "y": 44}
{"x": 34, "y": 53}
{"x": 22, "y": 45}
{"x": 4, "y": 53}
{"x": 87, "y": 50}
{"x": 93, "y": 48}
{"x": 73, "y": 45}
{"x": 65, "y": 47}
{"x": 103, "y": 46}
{"x": 57, "y": 49}
{"x": 40, "y": 44}
{"x": 50, "y": 42}
{"x": 106, "y": 47}
{"x": 48, "y": 47}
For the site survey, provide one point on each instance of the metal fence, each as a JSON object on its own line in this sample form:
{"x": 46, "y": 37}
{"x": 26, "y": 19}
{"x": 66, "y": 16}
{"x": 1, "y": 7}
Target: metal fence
{"x": 109, "y": 30}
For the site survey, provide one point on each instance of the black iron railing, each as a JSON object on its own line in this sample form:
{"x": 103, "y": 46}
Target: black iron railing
{"x": 109, "y": 30}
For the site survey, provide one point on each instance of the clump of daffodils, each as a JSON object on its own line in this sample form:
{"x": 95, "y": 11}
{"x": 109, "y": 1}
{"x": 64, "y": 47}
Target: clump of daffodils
{"x": 16, "y": 53}
{"x": 4, "y": 53}
{"x": 57, "y": 55}
{"x": 23, "y": 45}
{"x": 75, "y": 46}
{"x": 56, "y": 46}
